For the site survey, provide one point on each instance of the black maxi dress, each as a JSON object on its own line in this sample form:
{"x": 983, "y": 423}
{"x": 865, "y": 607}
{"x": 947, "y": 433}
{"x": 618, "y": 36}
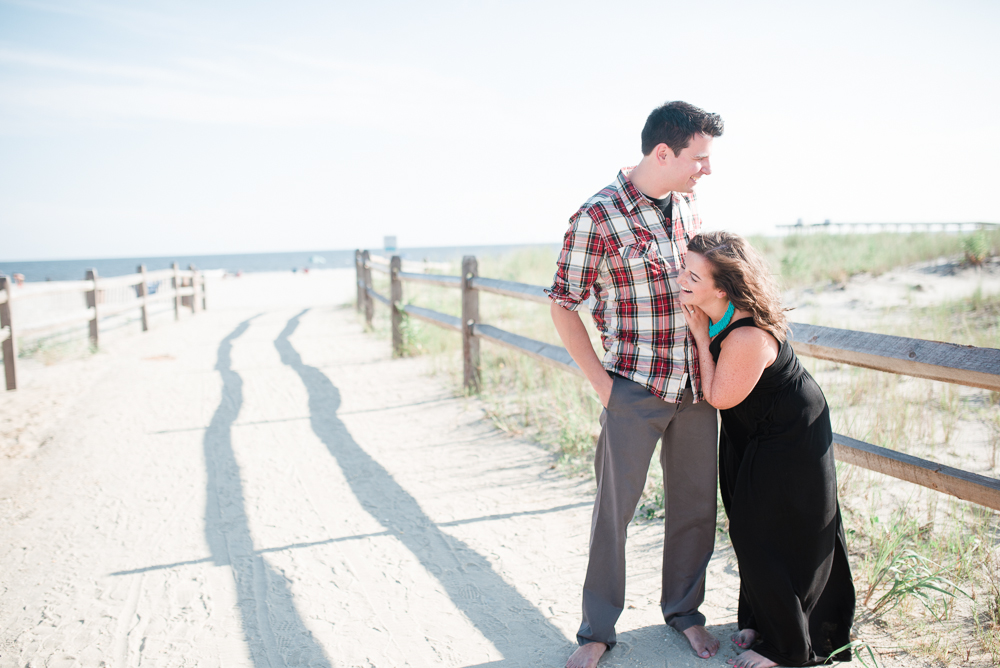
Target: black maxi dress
{"x": 779, "y": 488}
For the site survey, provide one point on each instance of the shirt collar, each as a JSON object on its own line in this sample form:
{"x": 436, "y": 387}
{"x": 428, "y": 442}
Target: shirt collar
{"x": 631, "y": 196}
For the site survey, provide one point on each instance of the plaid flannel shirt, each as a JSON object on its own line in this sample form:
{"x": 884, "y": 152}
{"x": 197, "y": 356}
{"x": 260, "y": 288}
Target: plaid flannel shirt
{"x": 619, "y": 248}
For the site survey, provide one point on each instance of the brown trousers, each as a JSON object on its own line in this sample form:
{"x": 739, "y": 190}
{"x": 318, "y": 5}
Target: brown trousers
{"x": 631, "y": 425}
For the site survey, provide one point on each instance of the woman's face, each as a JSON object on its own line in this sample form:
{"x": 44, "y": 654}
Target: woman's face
{"x": 696, "y": 281}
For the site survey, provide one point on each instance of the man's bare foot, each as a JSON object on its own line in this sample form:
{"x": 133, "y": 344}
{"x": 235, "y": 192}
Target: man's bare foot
{"x": 751, "y": 659}
{"x": 745, "y": 639}
{"x": 702, "y": 642}
{"x": 587, "y": 656}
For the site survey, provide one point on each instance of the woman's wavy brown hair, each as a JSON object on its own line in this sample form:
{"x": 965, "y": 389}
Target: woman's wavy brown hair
{"x": 742, "y": 273}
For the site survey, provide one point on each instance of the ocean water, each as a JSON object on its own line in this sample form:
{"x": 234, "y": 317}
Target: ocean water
{"x": 73, "y": 270}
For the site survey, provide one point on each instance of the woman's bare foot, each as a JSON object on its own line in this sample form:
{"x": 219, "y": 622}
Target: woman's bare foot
{"x": 587, "y": 656}
{"x": 702, "y": 642}
{"x": 745, "y": 639}
{"x": 751, "y": 659}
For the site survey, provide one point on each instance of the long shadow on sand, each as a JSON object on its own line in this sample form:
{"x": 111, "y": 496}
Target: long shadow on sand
{"x": 504, "y": 617}
{"x": 272, "y": 626}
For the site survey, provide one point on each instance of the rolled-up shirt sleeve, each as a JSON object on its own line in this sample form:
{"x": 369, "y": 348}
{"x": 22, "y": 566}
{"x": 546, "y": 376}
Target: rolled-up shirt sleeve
{"x": 577, "y": 267}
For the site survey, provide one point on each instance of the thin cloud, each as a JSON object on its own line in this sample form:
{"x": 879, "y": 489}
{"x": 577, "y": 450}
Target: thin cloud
{"x": 73, "y": 65}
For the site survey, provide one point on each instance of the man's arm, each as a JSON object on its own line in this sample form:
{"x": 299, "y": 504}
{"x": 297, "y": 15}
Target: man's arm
{"x": 574, "y": 336}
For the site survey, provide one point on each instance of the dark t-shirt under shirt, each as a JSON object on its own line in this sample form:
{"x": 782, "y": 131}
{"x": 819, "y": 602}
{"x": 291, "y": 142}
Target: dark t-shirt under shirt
{"x": 665, "y": 206}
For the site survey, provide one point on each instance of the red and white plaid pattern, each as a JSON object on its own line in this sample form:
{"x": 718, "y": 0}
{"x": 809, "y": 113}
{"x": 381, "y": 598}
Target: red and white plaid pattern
{"x": 617, "y": 248}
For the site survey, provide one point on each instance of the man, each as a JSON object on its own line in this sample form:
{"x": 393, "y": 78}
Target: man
{"x": 626, "y": 246}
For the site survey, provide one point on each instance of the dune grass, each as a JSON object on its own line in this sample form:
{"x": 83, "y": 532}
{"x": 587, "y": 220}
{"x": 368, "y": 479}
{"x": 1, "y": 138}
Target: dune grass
{"x": 923, "y": 561}
{"x": 809, "y": 259}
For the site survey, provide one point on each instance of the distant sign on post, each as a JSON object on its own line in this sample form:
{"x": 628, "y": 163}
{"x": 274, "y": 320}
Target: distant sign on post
{"x": 390, "y": 244}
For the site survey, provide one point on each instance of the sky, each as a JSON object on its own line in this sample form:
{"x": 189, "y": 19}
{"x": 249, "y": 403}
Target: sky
{"x": 182, "y": 127}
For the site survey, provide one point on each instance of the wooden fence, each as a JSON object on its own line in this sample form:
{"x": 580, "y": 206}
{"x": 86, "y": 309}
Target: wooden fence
{"x": 947, "y": 362}
{"x": 186, "y": 289}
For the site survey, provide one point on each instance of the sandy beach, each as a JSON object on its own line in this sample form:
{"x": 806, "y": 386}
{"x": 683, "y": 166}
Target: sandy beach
{"x": 261, "y": 484}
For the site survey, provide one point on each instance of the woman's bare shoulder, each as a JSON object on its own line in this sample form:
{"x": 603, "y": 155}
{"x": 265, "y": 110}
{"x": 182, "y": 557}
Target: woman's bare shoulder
{"x": 748, "y": 335}
{"x": 752, "y": 342}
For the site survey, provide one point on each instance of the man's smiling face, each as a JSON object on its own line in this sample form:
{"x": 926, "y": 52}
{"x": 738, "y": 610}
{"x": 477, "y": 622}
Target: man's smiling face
{"x": 681, "y": 172}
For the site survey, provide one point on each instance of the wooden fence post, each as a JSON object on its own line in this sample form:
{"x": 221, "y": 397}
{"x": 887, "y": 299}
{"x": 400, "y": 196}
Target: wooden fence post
{"x": 367, "y": 277}
{"x": 194, "y": 288}
{"x": 359, "y": 269}
{"x": 92, "y": 303}
{"x": 177, "y": 292}
{"x": 9, "y": 347}
{"x": 396, "y": 299}
{"x": 470, "y": 316}
{"x": 204, "y": 292}
{"x": 142, "y": 295}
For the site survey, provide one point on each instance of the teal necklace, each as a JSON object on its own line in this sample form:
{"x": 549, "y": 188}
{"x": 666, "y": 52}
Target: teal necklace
{"x": 715, "y": 328}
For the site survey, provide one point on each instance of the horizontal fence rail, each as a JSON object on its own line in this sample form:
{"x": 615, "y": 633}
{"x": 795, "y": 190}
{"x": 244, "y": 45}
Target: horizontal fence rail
{"x": 103, "y": 298}
{"x": 934, "y": 360}
{"x": 531, "y": 293}
{"x": 441, "y": 319}
{"x": 545, "y": 352}
{"x": 962, "y": 484}
{"x": 947, "y": 362}
{"x": 431, "y": 279}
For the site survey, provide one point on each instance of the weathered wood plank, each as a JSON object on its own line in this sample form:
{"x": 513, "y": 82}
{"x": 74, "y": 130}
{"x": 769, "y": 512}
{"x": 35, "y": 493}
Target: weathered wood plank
{"x": 359, "y": 268}
{"x": 470, "y": 316}
{"x": 203, "y": 285}
{"x": 380, "y": 268}
{"x": 432, "y": 279}
{"x": 545, "y": 352}
{"x": 176, "y": 278}
{"x": 143, "y": 297}
{"x": 366, "y": 276}
{"x": 75, "y": 317}
{"x": 526, "y": 291}
{"x": 396, "y": 297}
{"x": 948, "y": 362}
{"x": 119, "y": 307}
{"x": 92, "y": 303}
{"x": 375, "y": 295}
{"x": 434, "y": 317}
{"x": 39, "y": 289}
{"x": 419, "y": 266}
{"x": 44, "y": 288}
{"x": 962, "y": 484}
{"x": 159, "y": 275}
{"x": 125, "y": 281}
{"x": 194, "y": 288}
{"x": 160, "y": 296}
{"x": 9, "y": 343}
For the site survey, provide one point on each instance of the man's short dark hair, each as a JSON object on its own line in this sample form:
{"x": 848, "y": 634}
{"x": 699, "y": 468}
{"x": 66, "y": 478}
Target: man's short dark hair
{"x": 674, "y": 123}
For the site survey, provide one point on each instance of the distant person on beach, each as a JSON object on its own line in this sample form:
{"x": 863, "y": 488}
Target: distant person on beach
{"x": 776, "y": 466}
{"x": 626, "y": 246}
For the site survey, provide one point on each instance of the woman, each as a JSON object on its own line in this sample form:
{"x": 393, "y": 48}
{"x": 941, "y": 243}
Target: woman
{"x": 776, "y": 465}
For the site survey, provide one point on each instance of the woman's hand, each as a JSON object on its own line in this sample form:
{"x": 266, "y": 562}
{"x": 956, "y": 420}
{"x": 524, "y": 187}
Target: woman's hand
{"x": 697, "y": 322}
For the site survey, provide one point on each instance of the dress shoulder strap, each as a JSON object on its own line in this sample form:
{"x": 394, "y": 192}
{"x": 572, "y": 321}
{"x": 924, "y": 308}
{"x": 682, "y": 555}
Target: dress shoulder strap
{"x": 716, "y": 345}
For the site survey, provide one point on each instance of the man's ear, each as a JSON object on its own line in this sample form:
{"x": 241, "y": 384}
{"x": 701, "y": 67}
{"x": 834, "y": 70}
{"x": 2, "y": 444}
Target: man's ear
{"x": 664, "y": 153}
